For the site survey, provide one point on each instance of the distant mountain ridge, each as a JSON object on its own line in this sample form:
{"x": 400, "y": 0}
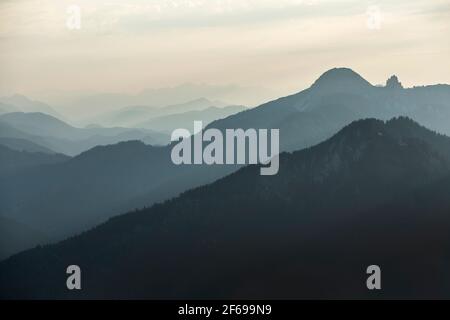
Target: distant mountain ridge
{"x": 232, "y": 94}
{"x": 171, "y": 122}
{"x": 61, "y": 137}
{"x": 337, "y": 98}
{"x": 144, "y": 116}
{"x": 20, "y": 103}
{"x": 23, "y": 145}
{"x": 38, "y": 123}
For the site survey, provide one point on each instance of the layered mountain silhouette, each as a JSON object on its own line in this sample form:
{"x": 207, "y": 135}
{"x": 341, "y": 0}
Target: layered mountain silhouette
{"x": 134, "y": 116}
{"x": 20, "y": 103}
{"x": 95, "y": 185}
{"x": 375, "y": 193}
{"x": 23, "y": 145}
{"x": 37, "y": 123}
{"x": 61, "y": 137}
{"x": 106, "y": 181}
{"x": 171, "y": 122}
{"x": 337, "y": 98}
{"x": 168, "y": 96}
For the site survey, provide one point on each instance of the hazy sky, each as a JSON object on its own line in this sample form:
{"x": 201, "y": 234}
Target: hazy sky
{"x": 129, "y": 45}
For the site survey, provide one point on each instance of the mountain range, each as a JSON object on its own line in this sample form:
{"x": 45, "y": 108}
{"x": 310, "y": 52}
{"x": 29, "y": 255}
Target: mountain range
{"x": 20, "y": 103}
{"x": 106, "y": 181}
{"x": 147, "y": 117}
{"x": 23, "y": 145}
{"x": 168, "y": 123}
{"x": 374, "y": 193}
{"x": 338, "y": 97}
{"x": 165, "y": 96}
{"x": 58, "y": 136}
{"x": 95, "y": 185}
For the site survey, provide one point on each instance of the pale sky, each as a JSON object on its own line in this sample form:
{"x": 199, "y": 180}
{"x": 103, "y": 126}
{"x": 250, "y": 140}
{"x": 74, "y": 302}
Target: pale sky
{"x": 129, "y": 45}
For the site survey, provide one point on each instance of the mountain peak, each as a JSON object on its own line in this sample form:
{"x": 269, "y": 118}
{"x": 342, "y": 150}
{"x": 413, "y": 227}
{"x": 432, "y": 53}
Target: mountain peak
{"x": 398, "y": 128}
{"x": 376, "y": 125}
{"x": 340, "y": 79}
{"x": 339, "y": 71}
{"x": 393, "y": 83}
